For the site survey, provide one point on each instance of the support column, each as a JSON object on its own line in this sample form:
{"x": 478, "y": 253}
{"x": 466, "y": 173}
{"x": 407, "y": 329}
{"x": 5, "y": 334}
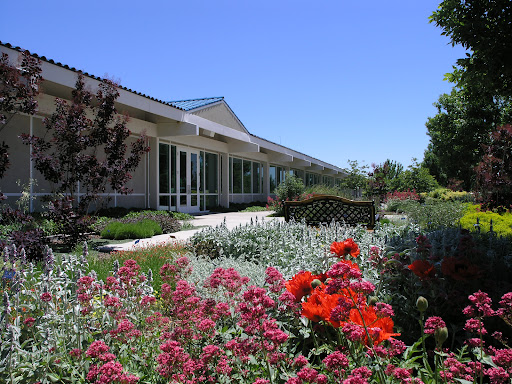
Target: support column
{"x": 224, "y": 172}
{"x": 152, "y": 175}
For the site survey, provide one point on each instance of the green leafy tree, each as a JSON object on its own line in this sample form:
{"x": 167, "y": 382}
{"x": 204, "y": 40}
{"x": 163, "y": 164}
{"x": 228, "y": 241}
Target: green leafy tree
{"x": 416, "y": 177}
{"x": 357, "y": 177}
{"x": 484, "y": 28}
{"x": 462, "y": 125}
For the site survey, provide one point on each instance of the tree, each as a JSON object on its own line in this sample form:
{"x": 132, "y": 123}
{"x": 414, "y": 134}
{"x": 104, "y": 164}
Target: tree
{"x": 19, "y": 88}
{"x": 464, "y": 120}
{"x": 484, "y": 28}
{"x": 416, "y": 177}
{"x": 89, "y": 151}
{"x": 494, "y": 172}
{"x": 84, "y": 149}
{"x": 382, "y": 179}
{"x": 357, "y": 177}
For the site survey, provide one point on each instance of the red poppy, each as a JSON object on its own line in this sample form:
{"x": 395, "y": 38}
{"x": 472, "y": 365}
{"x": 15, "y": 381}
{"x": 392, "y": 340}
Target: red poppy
{"x": 423, "y": 269}
{"x": 344, "y": 248}
{"x": 379, "y": 328}
{"x": 300, "y": 284}
{"x": 460, "y": 269}
{"x": 319, "y": 305}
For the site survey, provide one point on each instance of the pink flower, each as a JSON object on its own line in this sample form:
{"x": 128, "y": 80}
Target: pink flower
{"x": 97, "y": 348}
{"x": 433, "y": 323}
{"x": 335, "y": 361}
{"x": 46, "y": 297}
{"x": 75, "y": 352}
{"x": 29, "y": 321}
{"x": 498, "y": 375}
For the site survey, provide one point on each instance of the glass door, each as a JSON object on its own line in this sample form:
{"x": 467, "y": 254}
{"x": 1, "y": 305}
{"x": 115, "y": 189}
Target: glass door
{"x": 188, "y": 180}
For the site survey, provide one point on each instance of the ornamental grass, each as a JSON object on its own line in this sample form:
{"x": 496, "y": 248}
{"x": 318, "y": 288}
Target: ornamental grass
{"x": 339, "y": 321}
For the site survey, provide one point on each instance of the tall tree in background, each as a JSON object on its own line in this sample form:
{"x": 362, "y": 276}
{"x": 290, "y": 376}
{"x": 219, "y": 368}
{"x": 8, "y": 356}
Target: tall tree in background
{"x": 19, "y": 87}
{"x": 484, "y": 28}
{"x": 463, "y": 123}
{"x": 482, "y": 95}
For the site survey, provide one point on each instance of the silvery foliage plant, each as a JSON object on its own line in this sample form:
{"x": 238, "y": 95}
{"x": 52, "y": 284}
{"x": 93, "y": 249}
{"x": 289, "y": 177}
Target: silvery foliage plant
{"x": 293, "y": 247}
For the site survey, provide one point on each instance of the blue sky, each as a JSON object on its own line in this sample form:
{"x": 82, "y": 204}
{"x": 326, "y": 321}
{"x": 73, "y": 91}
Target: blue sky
{"x": 336, "y": 80}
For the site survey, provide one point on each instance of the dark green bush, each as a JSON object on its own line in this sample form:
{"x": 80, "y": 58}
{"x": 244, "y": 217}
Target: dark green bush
{"x": 290, "y": 188}
{"x": 141, "y": 229}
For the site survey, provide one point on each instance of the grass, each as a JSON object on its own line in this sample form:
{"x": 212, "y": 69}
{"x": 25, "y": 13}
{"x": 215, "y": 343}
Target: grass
{"x": 152, "y": 257}
{"x": 139, "y": 230}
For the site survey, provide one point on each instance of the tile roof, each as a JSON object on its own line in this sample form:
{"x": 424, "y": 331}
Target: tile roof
{"x": 188, "y": 105}
{"x": 43, "y": 58}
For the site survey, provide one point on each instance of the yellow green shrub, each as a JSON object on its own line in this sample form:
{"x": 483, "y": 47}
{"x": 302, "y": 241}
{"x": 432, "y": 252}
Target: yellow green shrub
{"x": 446, "y": 194}
{"x": 501, "y": 224}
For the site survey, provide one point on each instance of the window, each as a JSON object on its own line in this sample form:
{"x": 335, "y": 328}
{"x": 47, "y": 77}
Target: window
{"x": 237, "y": 175}
{"x": 247, "y": 176}
{"x": 256, "y": 178}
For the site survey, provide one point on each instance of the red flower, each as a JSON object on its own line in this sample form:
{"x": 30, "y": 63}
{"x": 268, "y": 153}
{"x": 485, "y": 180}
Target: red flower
{"x": 423, "y": 269}
{"x": 344, "y": 248}
{"x": 319, "y": 305}
{"x": 300, "y": 284}
{"x": 379, "y": 328}
{"x": 460, "y": 269}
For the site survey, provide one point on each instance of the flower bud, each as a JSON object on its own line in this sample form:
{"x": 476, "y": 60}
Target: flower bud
{"x": 372, "y": 300}
{"x": 441, "y": 334}
{"x": 316, "y": 283}
{"x": 422, "y": 304}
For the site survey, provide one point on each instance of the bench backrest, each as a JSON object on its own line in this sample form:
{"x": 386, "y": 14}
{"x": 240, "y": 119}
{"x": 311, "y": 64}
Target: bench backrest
{"x": 323, "y": 209}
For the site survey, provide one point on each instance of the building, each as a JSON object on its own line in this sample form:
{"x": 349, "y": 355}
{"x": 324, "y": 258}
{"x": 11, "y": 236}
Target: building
{"x": 201, "y": 154}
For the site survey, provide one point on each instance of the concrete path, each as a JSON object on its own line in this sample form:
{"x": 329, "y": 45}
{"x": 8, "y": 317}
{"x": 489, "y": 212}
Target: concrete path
{"x": 232, "y": 219}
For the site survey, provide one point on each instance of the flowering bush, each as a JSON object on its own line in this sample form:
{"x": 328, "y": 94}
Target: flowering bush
{"x": 319, "y": 326}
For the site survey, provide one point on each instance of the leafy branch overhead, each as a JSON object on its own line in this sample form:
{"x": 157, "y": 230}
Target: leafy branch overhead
{"x": 19, "y": 87}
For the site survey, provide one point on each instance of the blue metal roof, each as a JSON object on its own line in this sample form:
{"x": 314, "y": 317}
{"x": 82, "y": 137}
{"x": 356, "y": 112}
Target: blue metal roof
{"x": 189, "y": 105}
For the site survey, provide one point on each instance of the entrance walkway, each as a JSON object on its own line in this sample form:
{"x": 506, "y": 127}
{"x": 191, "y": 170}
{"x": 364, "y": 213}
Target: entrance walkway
{"x": 232, "y": 220}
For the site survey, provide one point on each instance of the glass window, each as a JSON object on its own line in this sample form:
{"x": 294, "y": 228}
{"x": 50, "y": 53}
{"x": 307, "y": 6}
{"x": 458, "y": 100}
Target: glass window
{"x": 230, "y": 175}
{"x": 256, "y": 177}
{"x": 237, "y": 175}
{"x": 211, "y": 173}
{"x": 272, "y": 177}
{"x": 163, "y": 166}
{"x": 247, "y": 177}
{"x": 201, "y": 172}
{"x": 212, "y": 201}
{"x": 173, "y": 170}
{"x": 183, "y": 173}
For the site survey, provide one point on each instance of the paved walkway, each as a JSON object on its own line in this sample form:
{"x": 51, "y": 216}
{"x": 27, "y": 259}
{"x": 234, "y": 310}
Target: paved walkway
{"x": 232, "y": 219}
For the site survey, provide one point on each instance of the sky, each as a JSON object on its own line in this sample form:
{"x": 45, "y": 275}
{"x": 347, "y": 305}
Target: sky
{"x": 337, "y": 80}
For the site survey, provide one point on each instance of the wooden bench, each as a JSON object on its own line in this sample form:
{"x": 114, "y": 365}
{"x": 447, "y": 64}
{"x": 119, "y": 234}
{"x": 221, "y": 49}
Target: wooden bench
{"x": 323, "y": 209}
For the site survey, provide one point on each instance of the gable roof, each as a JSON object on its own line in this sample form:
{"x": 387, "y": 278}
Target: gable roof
{"x": 201, "y": 107}
{"x": 188, "y": 105}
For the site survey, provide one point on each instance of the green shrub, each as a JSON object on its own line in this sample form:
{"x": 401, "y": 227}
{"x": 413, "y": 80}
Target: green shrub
{"x": 290, "y": 188}
{"x": 142, "y": 229}
{"x": 432, "y": 214}
{"x": 501, "y": 224}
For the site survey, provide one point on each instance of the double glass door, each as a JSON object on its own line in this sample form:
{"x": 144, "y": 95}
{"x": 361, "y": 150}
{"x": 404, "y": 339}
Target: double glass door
{"x": 178, "y": 178}
{"x": 188, "y": 180}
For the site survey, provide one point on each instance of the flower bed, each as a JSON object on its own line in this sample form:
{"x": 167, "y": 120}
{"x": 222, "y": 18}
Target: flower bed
{"x": 329, "y": 322}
